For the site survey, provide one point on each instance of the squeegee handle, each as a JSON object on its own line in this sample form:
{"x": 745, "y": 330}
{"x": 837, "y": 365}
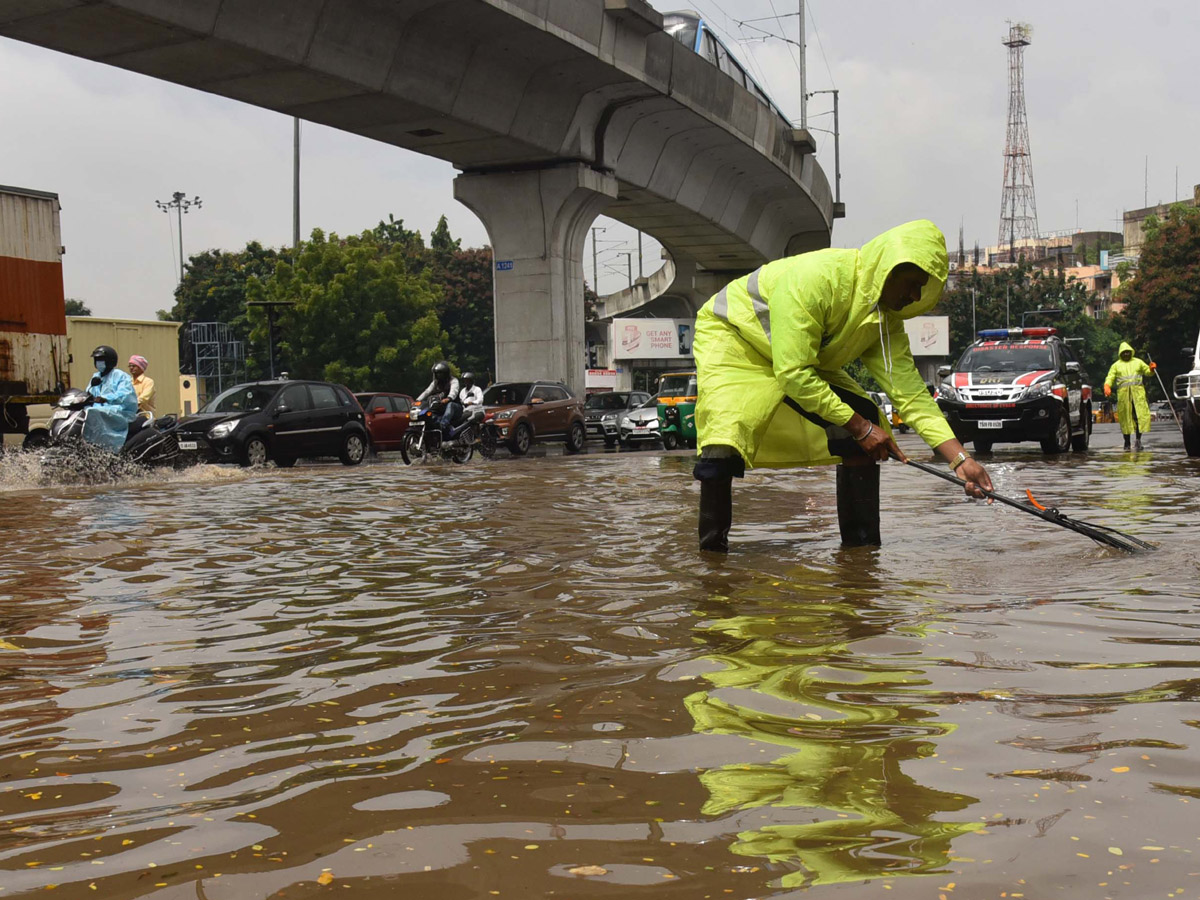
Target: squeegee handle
{"x": 992, "y": 495}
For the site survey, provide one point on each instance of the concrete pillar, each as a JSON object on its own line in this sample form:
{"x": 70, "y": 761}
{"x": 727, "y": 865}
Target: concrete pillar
{"x": 537, "y": 221}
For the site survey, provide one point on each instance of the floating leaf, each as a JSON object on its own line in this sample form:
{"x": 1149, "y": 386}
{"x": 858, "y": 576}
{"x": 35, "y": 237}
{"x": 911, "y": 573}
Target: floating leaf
{"x": 325, "y": 878}
{"x": 588, "y": 870}
{"x": 1116, "y": 851}
{"x": 1120, "y": 768}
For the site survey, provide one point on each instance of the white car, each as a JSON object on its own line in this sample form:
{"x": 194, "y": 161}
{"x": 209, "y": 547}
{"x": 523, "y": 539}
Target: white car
{"x": 1187, "y": 388}
{"x": 640, "y": 426}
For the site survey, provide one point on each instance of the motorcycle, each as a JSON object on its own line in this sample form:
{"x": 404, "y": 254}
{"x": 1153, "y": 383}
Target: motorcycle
{"x": 424, "y": 441}
{"x": 66, "y": 456}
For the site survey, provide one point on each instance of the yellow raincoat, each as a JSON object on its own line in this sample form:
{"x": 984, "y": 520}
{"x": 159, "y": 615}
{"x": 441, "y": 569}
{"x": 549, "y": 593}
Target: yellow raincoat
{"x": 789, "y": 328}
{"x": 1126, "y": 379}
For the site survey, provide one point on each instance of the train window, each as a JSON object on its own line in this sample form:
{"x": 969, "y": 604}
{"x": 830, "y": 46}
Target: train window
{"x": 709, "y": 48}
{"x": 731, "y": 67}
{"x": 682, "y": 28}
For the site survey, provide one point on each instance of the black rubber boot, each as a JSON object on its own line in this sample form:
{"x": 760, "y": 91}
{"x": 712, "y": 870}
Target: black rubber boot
{"x": 1126, "y": 442}
{"x": 716, "y": 514}
{"x": 1137, "y": 441}
{"x": 858, "y": 505}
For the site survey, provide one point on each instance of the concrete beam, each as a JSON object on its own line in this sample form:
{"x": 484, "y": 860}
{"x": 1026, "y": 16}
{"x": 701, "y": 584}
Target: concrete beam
{"x": 638, "y": 15}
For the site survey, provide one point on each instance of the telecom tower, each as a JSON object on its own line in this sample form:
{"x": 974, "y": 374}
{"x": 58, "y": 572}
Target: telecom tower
{"x": 1018, "y": 208}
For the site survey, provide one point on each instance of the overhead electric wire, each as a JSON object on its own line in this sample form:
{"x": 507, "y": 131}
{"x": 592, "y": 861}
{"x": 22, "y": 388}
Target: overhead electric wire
{"x": 727, "y": 34}
{"x": 821, "y": 46}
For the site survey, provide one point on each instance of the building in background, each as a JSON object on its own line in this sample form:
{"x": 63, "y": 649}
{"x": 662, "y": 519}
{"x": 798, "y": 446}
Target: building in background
{"x": 1135, "y": 218}
{"x": 635, "y": 352}
{"x": 157, "y": 341}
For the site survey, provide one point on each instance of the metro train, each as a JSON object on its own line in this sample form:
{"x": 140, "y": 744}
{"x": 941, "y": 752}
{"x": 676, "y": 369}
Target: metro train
{"x": 691, "y": 30}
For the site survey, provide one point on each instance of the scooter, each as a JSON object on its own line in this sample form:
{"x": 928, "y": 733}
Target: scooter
{"x": 66, "y": 456}
{"x": 424, "y": 440}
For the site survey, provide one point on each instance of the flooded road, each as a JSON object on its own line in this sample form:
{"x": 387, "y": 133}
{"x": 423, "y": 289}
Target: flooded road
{"x": 519, "y": 679}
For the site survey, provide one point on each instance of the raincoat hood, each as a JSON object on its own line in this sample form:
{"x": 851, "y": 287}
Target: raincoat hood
{"x": 920, "y": 243}
{"x": 1126, "y": 347}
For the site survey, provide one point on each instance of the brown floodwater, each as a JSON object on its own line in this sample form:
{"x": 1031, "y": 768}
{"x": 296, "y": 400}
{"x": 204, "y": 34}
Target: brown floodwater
{"x": 519, "y": 679}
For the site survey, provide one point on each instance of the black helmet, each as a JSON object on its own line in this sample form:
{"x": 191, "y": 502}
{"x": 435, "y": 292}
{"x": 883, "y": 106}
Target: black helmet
{"x": 108, "y": 355}
{"x": 467, "y": 378}
{"x": 441, "y": 371}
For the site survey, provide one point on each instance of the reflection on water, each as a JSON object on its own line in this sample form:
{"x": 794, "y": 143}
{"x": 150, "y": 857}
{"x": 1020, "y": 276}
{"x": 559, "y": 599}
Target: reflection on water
{"x": 519, "y": 678}
{"x": 843, "y": 724}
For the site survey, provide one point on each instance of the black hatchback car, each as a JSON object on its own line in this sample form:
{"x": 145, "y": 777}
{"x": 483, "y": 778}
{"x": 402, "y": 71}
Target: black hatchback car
{"x": 1018, "y": 384}
{"x": 279, "y": 421}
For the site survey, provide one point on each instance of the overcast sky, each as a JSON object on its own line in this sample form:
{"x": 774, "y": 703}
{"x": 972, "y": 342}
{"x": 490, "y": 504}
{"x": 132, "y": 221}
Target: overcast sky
{"x": 923, "y": 95}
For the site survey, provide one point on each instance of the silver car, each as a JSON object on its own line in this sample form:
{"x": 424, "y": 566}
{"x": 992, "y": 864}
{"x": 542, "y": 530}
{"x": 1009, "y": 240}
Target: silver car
{"x": 603, "y": 411}
{"x": 640, "y": 426}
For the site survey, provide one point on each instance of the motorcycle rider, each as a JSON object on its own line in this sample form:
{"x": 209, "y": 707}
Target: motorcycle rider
{"x": 471, "y": 394}
{"x": 471, "y": 399}
{"x": 143, "y": 386}
{"x": 115, "y": 402}
{"x": 443, "y": 390}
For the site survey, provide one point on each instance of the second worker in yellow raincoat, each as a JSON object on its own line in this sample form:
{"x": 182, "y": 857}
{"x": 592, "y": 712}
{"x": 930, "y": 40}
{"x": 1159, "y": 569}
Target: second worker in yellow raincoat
{"x": 770, "y": 354}
{"x": 1126, "y": 376}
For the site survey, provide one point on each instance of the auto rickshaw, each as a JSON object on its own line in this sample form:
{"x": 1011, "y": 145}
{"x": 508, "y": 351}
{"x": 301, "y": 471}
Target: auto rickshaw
{"x": 677, "y": 409}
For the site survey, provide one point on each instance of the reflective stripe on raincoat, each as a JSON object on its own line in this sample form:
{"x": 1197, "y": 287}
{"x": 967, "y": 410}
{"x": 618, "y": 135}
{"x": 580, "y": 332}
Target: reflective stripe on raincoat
{"x": 1126, "y": 379}
{"x": 107, "y": 424}
{"x": 789, "y": 328}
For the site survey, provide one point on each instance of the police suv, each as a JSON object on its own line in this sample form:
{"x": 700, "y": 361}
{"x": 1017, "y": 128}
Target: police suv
{"x": 1018, "y": 384}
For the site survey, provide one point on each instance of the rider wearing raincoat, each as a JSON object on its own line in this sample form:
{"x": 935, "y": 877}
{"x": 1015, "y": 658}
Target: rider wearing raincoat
{"x": 770, "y": 354}
{"x": 116, "y": 405}
{"x": 1126, "y": 376}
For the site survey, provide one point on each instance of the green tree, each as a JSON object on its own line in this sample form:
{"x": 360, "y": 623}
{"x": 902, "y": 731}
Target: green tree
{"x": 214, "y": 290}
{"x": 361, "y": 315}
{"x": 77, "y": 307}
{"x": 441, "y": 242}
{"x": 1000, "y": 299}
{"x": 1163, "y": 298}
{"x": 466, "y": 308}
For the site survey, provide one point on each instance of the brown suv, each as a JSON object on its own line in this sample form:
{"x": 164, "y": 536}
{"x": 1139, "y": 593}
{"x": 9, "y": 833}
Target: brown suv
{"x": 528, "y": 411}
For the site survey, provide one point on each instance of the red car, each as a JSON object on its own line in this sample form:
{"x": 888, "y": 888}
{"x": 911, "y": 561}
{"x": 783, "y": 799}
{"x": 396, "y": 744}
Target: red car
{"x": 387, "y": 418}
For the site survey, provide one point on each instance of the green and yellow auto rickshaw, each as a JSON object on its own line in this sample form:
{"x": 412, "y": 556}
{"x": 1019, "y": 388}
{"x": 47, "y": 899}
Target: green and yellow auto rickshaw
{"x": 677, "y": 409}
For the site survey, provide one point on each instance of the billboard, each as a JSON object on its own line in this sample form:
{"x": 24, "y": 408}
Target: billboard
{"x": 928, "y": 335}
{"x": 652, "y": 338}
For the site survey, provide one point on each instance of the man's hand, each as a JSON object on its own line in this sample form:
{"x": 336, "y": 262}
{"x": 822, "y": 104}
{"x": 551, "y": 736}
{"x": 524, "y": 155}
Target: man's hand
{"x": 880, "y": 445}
{"x": 976, "y": 477}
{"x": 1153, "y": 366}
{"x": 99, "y": 400}
{"x": 1108, "y": 390}
{"x": 874, "y": 440}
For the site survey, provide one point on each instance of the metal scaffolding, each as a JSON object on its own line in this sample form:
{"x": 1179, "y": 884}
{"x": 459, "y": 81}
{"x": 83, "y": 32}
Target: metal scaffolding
{"x": 1018, "y": 208}
{"x": 219, "y": 358}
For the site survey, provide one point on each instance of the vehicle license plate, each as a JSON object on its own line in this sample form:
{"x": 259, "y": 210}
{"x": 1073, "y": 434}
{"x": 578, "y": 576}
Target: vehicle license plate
{"x": 990, "y": 423}
{"x": 188, "y": 445}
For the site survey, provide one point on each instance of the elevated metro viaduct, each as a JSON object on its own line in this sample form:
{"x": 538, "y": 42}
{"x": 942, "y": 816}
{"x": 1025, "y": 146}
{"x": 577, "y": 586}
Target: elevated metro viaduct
{"x": 553, "y": 111}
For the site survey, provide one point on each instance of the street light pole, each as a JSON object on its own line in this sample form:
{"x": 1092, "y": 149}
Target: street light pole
{"x": 803, "y": 73}
{"x": 295, "y": 182}
{"x": 595, "y": 264}
{"x": 181, "y": 204}
{"x": 837, "y": 146}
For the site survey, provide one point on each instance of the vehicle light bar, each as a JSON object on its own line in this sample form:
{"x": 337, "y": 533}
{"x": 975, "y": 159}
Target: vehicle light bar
{"x": 1000, "y": 334}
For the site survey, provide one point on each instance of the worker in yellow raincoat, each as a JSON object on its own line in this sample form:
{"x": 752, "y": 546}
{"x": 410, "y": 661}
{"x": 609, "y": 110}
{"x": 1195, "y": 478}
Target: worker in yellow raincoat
{"x": 770, "y": 350}
{"x": 1126, "y": 376}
